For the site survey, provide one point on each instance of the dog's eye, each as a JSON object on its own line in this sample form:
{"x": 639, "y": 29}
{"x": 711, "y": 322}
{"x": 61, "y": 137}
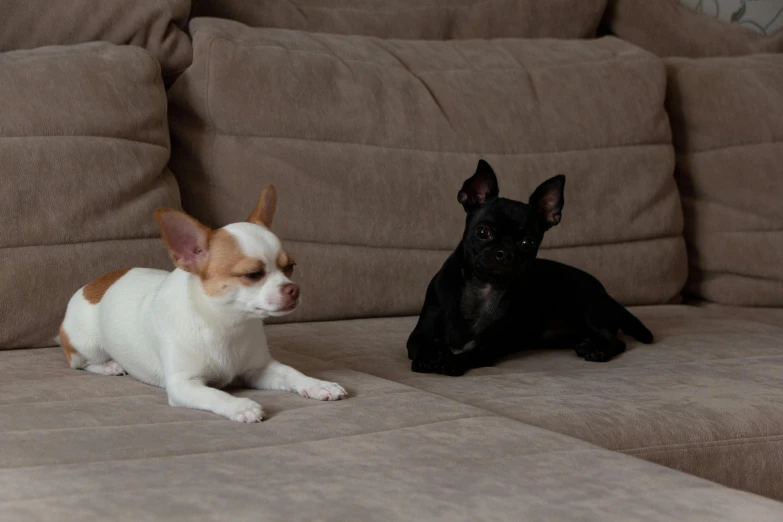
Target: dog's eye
{"x": 288, "y": 270}
{"x": 254, "y": 276}
{"x": 528, "y": 243}
{"x": 484, "y": 233}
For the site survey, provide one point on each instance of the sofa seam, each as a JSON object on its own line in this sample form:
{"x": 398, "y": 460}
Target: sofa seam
{"x": 351, "y": 245}
{"x": 683, "y": 152}
{"x": 505, "y": 375}
{"x": 588, "y": 448}
{"x": 308, "y": 404}
{"x": 88, "y": 136}
{"x": 85, "y": 242}
{"x": 451, "y": 249}
{"x": 223, "y": 133}
{"x": 210, "y": 115}
{"x": 740, "y": 441}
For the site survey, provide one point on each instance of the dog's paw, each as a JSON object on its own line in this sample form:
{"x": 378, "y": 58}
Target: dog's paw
{"x": 450, "y": 368}
{"x": 245, "y": 410}
{"x": 421, "y": 366}
{"x": 599, "y": 351}
{"x": 444, "y": 366}
{"x": 324, "y": 391}
{"x": 113, "y": 368}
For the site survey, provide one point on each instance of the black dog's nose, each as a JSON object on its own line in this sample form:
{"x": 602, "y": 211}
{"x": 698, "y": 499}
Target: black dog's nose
{"x": 500, "y": 255}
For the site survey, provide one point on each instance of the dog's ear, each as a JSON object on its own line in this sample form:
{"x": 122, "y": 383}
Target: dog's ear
{"x": 264, "y": 212}
{"x": 479, "y": 188}
{"x": 547, "y": 200}
{"x": 186, "y": 239}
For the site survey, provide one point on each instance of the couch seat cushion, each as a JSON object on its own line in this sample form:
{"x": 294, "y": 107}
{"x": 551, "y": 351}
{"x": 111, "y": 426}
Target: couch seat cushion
{"x": 77, "y": 446}
{"x": 706, "y": 398}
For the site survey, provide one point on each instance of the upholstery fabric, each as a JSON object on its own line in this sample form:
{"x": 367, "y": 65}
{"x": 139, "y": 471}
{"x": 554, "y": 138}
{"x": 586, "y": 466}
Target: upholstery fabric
{"x": 155, "y": 25}
{"x": 706, "y": 398}
{"x": 728, "y": 135}
{"x": 417, "y": 19}
{"x": 83, "y": 150}
{"x": 100, "y": 447}
{"x": 773, "y": 316}
{"x": 368, "y": 142}
{"x": 669, "y": 28}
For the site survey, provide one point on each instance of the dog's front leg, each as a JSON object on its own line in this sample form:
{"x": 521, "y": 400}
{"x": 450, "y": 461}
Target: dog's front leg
{"x": 188, "y": 392}
{"x": 479, "y": 352}
{"x": 278, "y": 376}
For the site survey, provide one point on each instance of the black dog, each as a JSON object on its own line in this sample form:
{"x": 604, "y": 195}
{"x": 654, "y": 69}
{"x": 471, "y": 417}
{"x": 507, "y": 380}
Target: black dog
{"x": 492, "y": 296}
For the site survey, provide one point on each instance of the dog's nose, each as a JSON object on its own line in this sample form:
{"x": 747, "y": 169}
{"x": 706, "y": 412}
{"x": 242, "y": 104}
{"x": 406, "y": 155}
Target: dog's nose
{"x": 291, "y": 290}
{"x": 500, "y": 255}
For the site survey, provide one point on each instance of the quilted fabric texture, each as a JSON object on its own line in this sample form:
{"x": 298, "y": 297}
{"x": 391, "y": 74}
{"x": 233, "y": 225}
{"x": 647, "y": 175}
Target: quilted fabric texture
{"x": 155, "y": 25}
{"x": 368, "y": 142}
{"x": 725, "y": 115}
{"x": 93, "y": 446}
{"x": 669, "y": 28}
{"x": 83, "y": 151}
{"x": 417, "y": 19}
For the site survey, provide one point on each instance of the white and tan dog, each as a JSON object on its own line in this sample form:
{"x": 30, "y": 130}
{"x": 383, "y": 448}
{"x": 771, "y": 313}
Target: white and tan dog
{"x": 200, "y": 325}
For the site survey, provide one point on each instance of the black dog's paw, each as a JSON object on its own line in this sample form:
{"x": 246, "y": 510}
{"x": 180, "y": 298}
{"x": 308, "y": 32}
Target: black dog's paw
{"x": 599, "y": 350}
{"x": 444, "y": 366}
{"x": 422, "y": 366}
{"x": 451, "y": 368}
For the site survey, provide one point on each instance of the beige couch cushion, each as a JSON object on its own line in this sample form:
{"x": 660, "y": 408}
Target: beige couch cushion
{"x": 368, "y": 142}
{"x": 155, "y": 25}
{"x": 417, "y": 19}
{"x": 706, "y": 398}
{"x": 669, "y": 28}
{"x": 78, "y": 446}
{"x": 772, "y": 316}
{"x": 84, "y": 145}
{"x": 728, "y": 133}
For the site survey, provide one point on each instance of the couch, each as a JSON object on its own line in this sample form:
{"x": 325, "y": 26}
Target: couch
{"x": 367, "y": 116}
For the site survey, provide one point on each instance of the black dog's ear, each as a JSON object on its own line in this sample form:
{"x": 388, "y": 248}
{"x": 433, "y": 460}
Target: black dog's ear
{"x": 479, "y": 188}
{"x": 547, "y": 200}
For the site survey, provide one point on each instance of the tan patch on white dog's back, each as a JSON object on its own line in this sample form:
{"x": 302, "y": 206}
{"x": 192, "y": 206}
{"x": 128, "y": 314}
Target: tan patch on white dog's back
{"x": 227, "y": 263}
{"x": 95, "y": 290}
{"x": 65, "y": 341}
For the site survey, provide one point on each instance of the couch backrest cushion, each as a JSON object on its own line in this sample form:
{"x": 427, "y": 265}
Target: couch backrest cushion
{"x": 417, "y": 19}
{"x": 728, "y": 134}
{"x": 669, "y": 28}
{"x": 156, "y": 25}
{"x": 368, "y": 142}
{"x": 83, "y": 150}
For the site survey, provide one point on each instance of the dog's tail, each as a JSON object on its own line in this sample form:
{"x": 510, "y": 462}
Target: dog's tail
{"x": 631, "y": 325}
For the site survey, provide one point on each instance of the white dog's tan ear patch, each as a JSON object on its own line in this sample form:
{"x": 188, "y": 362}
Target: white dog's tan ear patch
{"x": 285, "y": 263}
{"x": 186, "y": 239}
{"x": 95, "y": 290}
{"x": 264, "y": 212}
